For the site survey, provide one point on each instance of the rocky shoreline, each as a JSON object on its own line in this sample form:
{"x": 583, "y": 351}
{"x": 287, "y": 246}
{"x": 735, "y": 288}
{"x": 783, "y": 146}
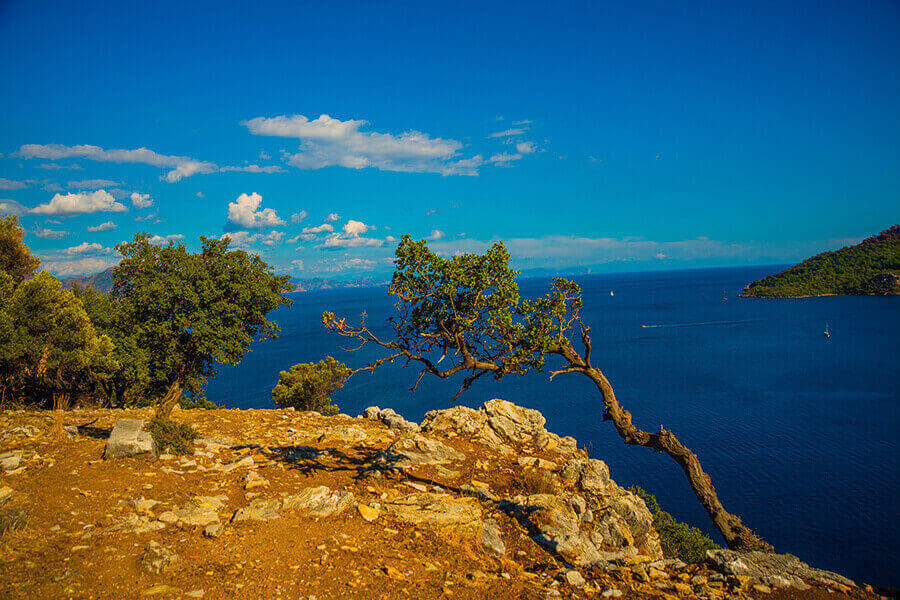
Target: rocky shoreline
{"x": 285, "y": 504}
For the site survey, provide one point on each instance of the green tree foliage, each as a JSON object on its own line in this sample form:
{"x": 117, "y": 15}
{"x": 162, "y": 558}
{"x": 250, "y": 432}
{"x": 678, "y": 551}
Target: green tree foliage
{"x": 48, "y": 347}
{"x": 678, "y": 539}
{"x": 193, "y": 311}
{"x": 865, "y": 268}
{"x": 177, "y": 438}
{"x": 16, "y": 259}
{"x": 309, "y": 386}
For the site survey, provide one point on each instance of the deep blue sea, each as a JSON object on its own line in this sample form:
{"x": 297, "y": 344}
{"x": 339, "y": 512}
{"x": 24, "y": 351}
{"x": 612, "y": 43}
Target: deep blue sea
{"x": 798, "y": 432}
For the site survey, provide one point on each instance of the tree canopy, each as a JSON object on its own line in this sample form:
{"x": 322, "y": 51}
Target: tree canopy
{"x": 309, "y": 386}
{"x": 16, "y": 259}
{"x": 193, "y": 311}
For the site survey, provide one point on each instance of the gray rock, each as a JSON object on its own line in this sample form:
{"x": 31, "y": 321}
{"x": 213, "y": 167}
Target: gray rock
{"x": 490, "y": 538}
{"x": 612, "y": 593}
{"x": 128, "y": 438}
{"x": 414, "y": 450}
{"x": 319, "y": 501}
{"x": 396, "y": 422}
{"x": 586, "y": 474}
{"x": 372, "y": 413}
{"x": 10, "y": 461}
{"x": 157, "y": 558}
{"x": 459, "y": 515}
{"x": 258, "y": 510}
{"x": 779, "y": 570}
{"x": 575, "y": 579}
{"x": 213, "y": 531}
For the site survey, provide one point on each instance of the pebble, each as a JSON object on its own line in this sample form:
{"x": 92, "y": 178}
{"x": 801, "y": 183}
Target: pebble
{"x": 612, "y": 593}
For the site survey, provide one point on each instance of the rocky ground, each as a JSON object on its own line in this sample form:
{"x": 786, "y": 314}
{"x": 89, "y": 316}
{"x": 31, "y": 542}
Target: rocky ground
{"x": 282, "y": 504}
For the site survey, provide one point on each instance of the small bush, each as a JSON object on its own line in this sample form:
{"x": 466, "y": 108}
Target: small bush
{"x": 308, "y": 386}
{"x": 539, "y": 481}
{"x": 203, "y": 403}
{"x": 177, "y": 437}
{"x": 678, "y": 540}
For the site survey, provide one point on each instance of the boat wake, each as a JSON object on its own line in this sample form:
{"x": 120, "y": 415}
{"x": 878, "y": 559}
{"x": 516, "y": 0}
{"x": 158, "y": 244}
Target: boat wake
{"x": 700, "y": 324}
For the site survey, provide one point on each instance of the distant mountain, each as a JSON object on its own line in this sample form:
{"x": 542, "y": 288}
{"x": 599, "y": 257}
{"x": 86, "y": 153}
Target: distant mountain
{"x": 102, "y": 281}
{"x": 871, "y": 267}
{"x": 312, "y": 284}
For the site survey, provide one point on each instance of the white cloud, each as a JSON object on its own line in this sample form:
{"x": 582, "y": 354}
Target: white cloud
{"x": 79, "y": 203}
{"x": 298, "y": 217}
{"x": 51, "y": 186}
{"x": 390, "y": 239}
{"x": 108, "y": 226}
{"x": 244, "y": 239}
{"x": 79, "y": 266}
{"x": 504, "y": 157}
{"x": 55, "y": 167}
{"x": 243, "y": 212}
{"x": 318, "y": 229}
{"x": 326, "y": 142}
{"x": 147, "y": 217}
{"x": 254, "y": 169}
{"x": 333, "y": 217}
{"x": 358, "y": 263}
{"x": 91, "y": 184}
{"x": 355, "y": 228}
{"x": 307, "y": 237}
{"x": 9, "y": 184}
{"x": 263, "y": 155}
{"x": 199, "y": 194}
{"x": 435, "y": 235}
{"x": 297, "y": 264}
{"x": 507, "y": 133}
{"x": 182, "y": 166}
{"x": 141, "y": 200}
{"x": 49, "y": 234}
{"x": 523, "y": 122}
{"x": 160, "y": 240}
{"x": 88, "y": 248}
{"x": 11, "y": 207}
{"x": 525, "y": 147}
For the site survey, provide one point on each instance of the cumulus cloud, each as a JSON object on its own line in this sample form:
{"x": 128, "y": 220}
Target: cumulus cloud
{"x": 435, "y": 235}
{"x": 79, "y": 203}
{"x": 504, "y": 157}
{"x": 162, "y": 240}
{"x": 49, "y": 234}
{"x": 181, "y": 166}
{"x": 318, "y": 229}
{"x": 9, "y": 184}
{"x": 525, "y": 147}
{"x": 351, "y": 236}
{"x": 298, "y": 217}
{"x": 244, "y": 239}
{"x": 243, "y": 213}
{"x": 11, "y": 207}
{"x": 326, "y": 142}
{"x": 88, "y": 248}
{"x": 508, "y": 132}
{"x": 79, "y": 266}
{"x": 91, "y": 184}
{"x": 390, "y": 239}
{"x": 108, "y": 226}
{"x": 141, "y": 200}
{"x": 297, "y": 264}
{"x": 333, "y": 217}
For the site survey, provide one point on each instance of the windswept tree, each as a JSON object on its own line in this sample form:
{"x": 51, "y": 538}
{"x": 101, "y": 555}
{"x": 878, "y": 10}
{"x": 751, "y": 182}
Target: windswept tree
{"x": 464, "y": 316}
{"x": 309, "y": 386}
{"x": 190, "y": 312}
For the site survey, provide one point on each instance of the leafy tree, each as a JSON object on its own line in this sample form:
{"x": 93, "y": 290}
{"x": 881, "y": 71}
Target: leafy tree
{"x": 467, "y": 310}
{"x": 48, "y": 346}
{"x": 678, "y": 540}
{"x": 193, "y": 311}
{"x": 128, "y": 383}
{"x": 309, "y": 386}
{"x": 15, "y": 257}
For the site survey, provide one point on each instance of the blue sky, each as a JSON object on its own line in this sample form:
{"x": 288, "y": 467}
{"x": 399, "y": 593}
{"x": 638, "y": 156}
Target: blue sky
{"x": 626, "y": 136}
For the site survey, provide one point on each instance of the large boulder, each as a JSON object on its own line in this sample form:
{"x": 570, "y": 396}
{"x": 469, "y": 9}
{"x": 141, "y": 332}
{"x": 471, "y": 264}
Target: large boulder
{"x": 319, "y": 501}
{"x": 556, "y": 525}
{"x": 389, "y": 417}
{"x": 442, "y": 511}
{"x": 513, "y": 422}
{"x": 129, "y": 438}
{"x": 415, "y": 450}
{"x": 778, "y": 570}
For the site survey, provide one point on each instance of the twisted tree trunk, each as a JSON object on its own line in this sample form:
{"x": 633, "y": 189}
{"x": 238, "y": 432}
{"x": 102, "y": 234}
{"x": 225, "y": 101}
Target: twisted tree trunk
{"x": 737, "y": 535}
{"x": 168, "y": 402}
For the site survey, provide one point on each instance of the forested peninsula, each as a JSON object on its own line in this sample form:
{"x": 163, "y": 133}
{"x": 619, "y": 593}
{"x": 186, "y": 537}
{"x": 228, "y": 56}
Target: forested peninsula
{"x": 871, "y": 268}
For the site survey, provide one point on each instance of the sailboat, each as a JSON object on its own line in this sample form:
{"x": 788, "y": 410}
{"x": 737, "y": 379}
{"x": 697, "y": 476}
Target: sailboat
{"x": 827, "y": 331}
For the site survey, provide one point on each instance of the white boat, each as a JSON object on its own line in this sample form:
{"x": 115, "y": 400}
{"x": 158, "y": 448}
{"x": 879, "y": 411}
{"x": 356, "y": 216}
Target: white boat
{"x": 612, "y": 293}
{"x": 827, "y": 331}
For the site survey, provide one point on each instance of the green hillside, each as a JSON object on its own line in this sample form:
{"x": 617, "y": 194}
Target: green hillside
{"x": 871, "y": 267}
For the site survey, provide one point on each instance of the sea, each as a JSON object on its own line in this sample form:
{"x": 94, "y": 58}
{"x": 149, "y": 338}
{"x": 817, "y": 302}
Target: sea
{"x": 798, "y": 431}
